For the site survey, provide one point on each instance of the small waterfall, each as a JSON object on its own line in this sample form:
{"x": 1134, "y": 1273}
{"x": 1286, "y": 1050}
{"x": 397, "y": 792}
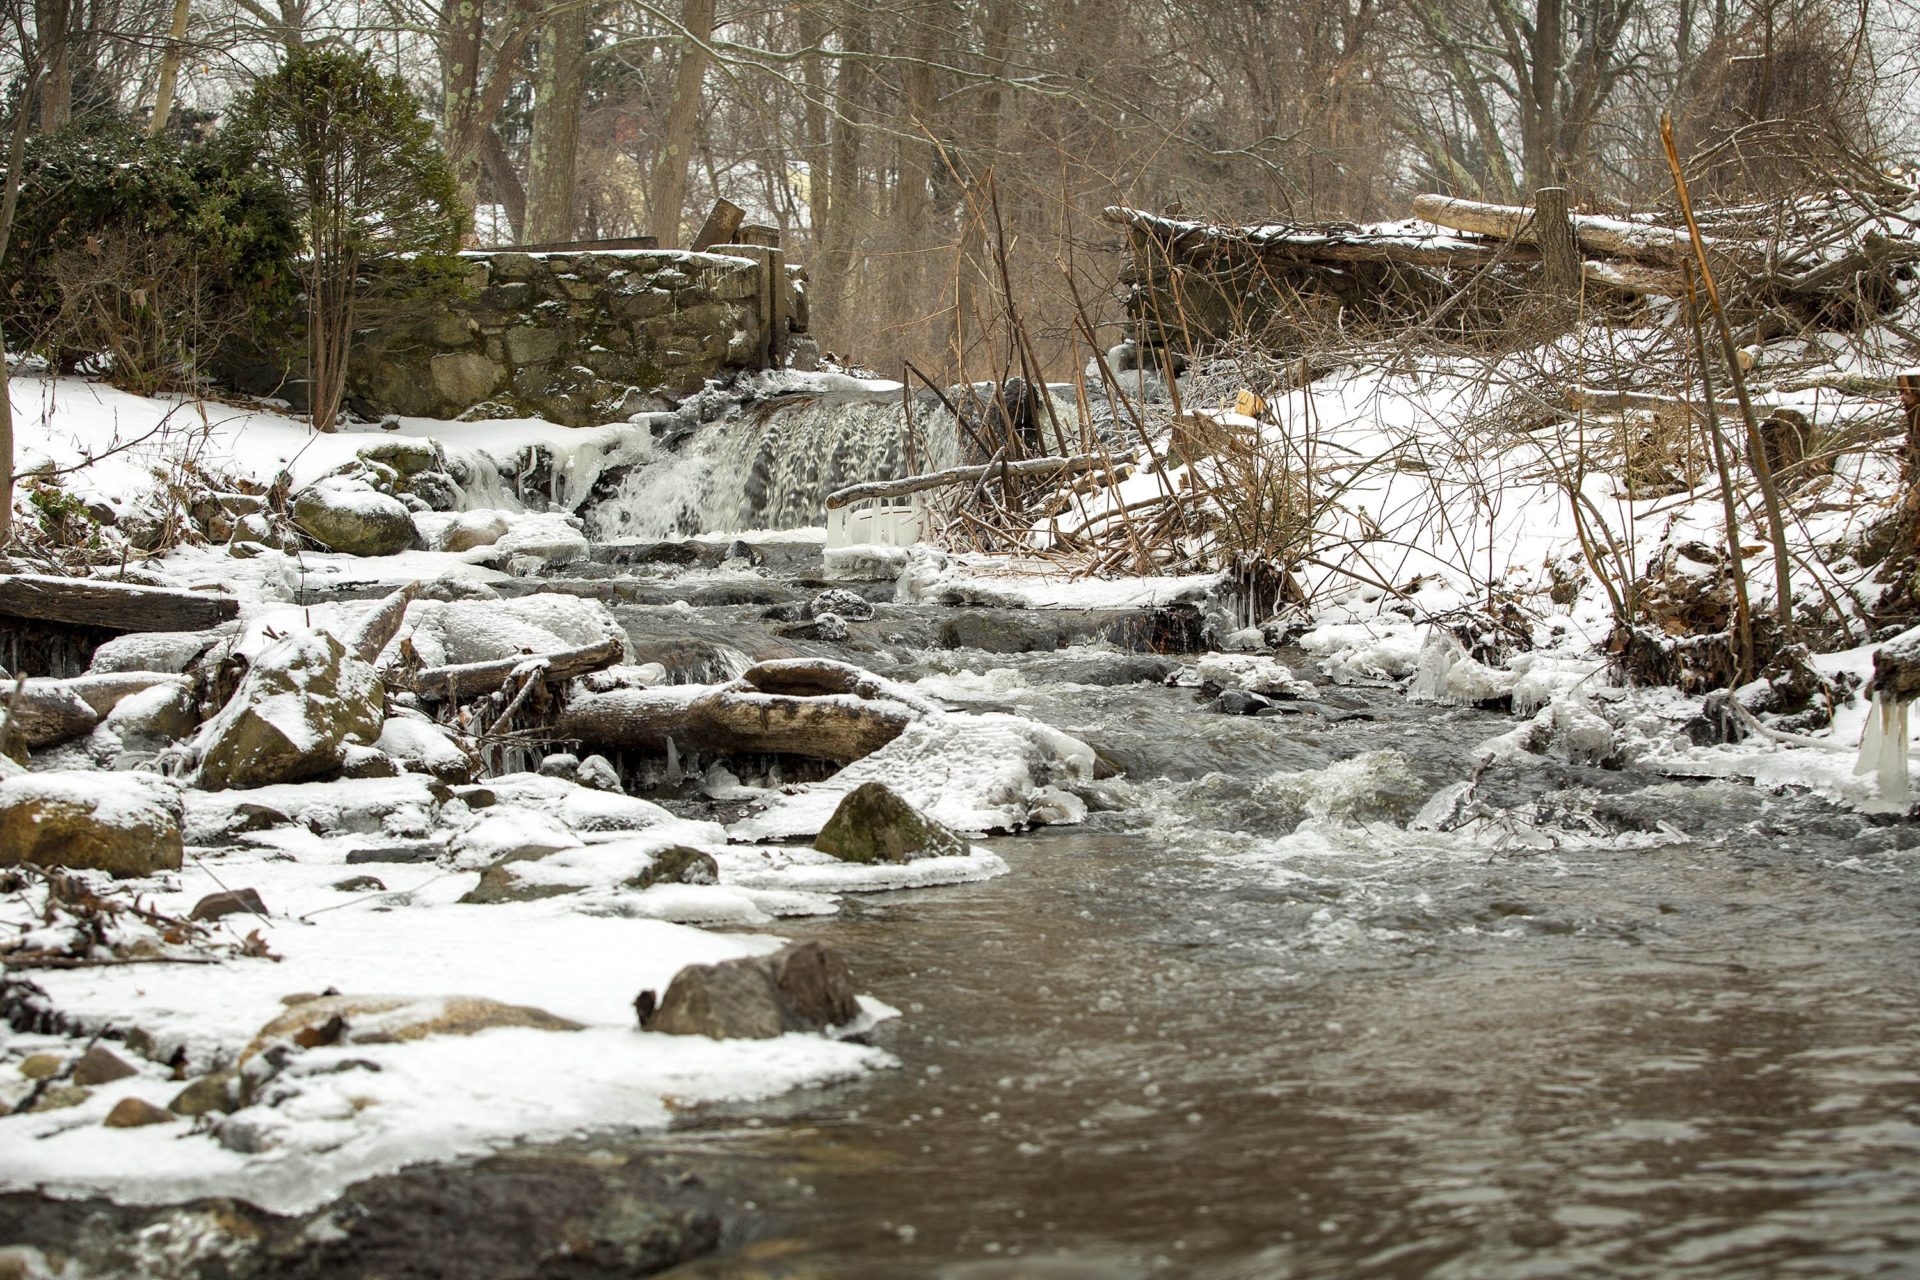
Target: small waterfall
{"x": 1883, "y": 747}
{"x": 771, "y": 465}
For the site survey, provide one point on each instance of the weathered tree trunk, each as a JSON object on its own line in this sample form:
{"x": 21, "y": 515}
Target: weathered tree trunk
{"x": 169, "y": 69}
{"x": 507, "y": 187}
{"x": 835, "y": 255}
{"x": 475, "y": 80}
{"x": 52, "y": 20}
{"x": 560, "y": 86}
{"x": 668, "y": 197}
{"x": 1559, "y": 255}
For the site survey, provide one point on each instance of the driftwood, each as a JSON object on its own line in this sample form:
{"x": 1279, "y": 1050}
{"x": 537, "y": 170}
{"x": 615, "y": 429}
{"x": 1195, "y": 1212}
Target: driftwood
{"x": 800, "y": 707}
{"x": 1030, "y": 468}
{"x": 117, "y": 606}
{"x": 471, "y": 679}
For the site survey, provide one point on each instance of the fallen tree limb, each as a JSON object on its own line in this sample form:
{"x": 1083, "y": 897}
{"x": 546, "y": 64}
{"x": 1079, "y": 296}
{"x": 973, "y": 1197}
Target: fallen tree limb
{"x": 471, "y": 679}
{"x": 1027, "y": 469}
{"x": 117, "y": 606}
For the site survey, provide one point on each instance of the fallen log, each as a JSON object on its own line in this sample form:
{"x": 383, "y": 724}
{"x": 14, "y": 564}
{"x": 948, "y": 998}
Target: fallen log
{"x": 1598, "y": 235}
{"x": 471, "y": 679}
{"x": 1030, "y": 468}
{"x": 1412, "y": 247}
{"x": 117, "y": 606}
{"x": 732, "y": 719}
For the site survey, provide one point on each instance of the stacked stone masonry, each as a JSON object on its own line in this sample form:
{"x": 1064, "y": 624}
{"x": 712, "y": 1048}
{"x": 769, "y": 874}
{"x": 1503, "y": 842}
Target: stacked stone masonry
{"x": 580, "y": 338}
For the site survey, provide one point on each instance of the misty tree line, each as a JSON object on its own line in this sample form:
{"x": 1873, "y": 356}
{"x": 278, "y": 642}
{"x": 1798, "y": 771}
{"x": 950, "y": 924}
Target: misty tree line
{"x": 866, "y": 133}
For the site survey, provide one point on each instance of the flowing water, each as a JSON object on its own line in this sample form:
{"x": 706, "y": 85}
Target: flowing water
{"x": 1254, "y": 1022}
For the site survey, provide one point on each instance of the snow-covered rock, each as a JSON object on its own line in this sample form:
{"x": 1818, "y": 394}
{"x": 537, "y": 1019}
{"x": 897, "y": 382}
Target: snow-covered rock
{"x": 304, "y": 699}
{"x": 346, "y": 514}
{"x": 123, "y": 824}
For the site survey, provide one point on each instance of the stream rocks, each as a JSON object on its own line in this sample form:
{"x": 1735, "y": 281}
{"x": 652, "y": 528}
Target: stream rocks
{"x": 349, "y": 516}
{"x": 300, "y": 705}
{"x": 128, "y": 826}
{"x": 872, "y": 824}
{"x": 798, "y": 988}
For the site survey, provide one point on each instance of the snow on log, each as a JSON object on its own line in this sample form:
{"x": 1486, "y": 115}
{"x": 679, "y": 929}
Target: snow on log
{"x": 1407, "y": 243}
{"x": 471, "y": 679}
{"x": 1597, "y": 234}
{"x": 117, "y": 606}
{"x": 815, "y": 708}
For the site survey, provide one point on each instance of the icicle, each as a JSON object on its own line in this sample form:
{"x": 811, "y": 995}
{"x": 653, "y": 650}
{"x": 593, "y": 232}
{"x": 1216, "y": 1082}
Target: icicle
{"x": 674, "y": 774}
{"x": 1868, "y": 759}
{"x": 1883, "y": 748}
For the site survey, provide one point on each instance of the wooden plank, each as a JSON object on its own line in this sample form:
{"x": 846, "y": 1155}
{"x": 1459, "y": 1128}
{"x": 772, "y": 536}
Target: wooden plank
{"x": 720, "y": 227}
{"x": 117, "y": 606}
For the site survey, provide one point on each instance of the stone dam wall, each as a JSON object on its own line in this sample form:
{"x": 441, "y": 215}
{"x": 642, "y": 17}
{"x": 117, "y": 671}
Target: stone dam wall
{"x": 579, "y": 338}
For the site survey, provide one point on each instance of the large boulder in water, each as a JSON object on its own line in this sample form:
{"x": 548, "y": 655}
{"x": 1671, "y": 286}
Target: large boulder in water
{"x": 345, "y": 514}
{"x": 798, "y": 988}
{"x": 303, "y": 700}
{"x": 873, "y": 824}
{"x": 126, "y": 824}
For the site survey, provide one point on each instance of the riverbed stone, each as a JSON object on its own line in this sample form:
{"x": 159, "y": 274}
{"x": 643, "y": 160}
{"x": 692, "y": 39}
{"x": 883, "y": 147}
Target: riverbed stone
{"x": 872, "y": 824}
{"x": 228, "y": 902}
{"x": 125, "y": 824}
{"x": 805, "y": 987}
{"x": 678, "y": 864}
{"x": 216, "y": 1092}
{"x": 101, "y": 1065}
{"x": 136, "y": 1113}
{"x": 39, "y": 1066}
{"x": 59, "y": 1097}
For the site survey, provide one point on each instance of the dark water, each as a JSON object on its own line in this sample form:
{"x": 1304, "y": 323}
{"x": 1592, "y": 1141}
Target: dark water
{"x": 1632, "y": 1027}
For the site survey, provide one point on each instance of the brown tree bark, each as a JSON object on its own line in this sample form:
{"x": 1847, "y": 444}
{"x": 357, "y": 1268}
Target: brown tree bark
{"x": 169, "y": 69}
{"x": 560, "y": 84}
{"x": 52, "y": 22}
{"x": 668, "y": 196}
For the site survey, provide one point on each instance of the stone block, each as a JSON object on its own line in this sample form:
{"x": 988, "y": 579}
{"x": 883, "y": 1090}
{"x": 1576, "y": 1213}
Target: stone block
{"x": 530, "y": 344}
{"x": 513, "y": 296}
{"x": 462, "y": 379}
{"x": 642, "y": 305}
{"x": 513, "y": 266}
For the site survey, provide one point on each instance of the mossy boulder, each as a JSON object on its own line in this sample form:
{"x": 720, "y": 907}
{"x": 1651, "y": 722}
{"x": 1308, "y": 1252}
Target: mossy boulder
{"x": 347, "y": 515}
{"x": 873, "y": 824}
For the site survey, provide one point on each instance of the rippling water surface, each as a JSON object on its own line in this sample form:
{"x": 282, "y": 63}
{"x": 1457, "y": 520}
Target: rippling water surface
{"x": 1250, "y": 1024}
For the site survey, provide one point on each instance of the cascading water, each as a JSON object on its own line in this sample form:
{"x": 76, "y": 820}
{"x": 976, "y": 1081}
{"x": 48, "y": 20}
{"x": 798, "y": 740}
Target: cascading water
{"x": 771, "y": 465}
